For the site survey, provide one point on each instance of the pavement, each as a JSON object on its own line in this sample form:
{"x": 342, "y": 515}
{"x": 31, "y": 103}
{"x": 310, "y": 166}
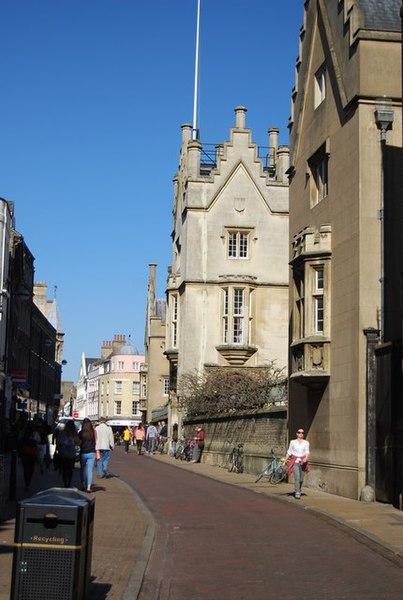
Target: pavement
{"x": 124, "y": 529}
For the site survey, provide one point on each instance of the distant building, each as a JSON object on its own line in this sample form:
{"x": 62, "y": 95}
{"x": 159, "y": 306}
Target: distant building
{"x": 119, "y": 380}
{"x": 68, "y": 392}
{"x": 51, "y": 311}
{"x": 81, "y": 405}
{"x": 50, "y": 335}
{"x": 154, "y": 373}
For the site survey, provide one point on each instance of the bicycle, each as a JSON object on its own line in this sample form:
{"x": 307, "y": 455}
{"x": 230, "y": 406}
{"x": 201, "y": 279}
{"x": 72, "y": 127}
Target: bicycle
{"x": 235, "y": 461}
{"x": 184, "y": 450}
{"x": 161, "y": 445}
{"x": 275, "y": 470}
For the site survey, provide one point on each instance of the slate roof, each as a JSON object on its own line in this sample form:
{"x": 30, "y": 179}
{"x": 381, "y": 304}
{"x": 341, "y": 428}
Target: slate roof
{"x": 381, "y": 15}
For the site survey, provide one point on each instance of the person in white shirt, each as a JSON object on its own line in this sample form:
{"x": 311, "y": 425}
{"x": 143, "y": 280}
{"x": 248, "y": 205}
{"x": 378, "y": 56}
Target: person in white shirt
{"x": 104, "y": 443}
{"x": 298, "y": 454}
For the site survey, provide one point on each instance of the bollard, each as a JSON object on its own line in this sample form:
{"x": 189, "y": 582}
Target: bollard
{"x": 12, "y": 489}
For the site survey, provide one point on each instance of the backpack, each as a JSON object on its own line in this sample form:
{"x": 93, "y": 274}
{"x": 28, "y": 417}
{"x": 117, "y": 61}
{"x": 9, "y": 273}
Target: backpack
{"x": 66, "y": 446}
{"x": 126, "y": 435}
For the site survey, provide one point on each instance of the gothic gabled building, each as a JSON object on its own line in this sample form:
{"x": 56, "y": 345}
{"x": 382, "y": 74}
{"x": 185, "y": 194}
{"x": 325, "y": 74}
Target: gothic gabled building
{"x": 228, "y": 282}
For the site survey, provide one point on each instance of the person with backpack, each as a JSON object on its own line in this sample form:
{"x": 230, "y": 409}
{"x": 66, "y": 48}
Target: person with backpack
{"x": 66, "y": 447}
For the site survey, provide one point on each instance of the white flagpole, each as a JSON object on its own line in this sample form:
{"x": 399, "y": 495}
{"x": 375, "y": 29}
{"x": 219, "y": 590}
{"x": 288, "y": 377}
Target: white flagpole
{"x": 194, "y": 129}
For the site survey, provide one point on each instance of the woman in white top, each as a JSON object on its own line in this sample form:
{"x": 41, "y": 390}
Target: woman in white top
{"x": 298, "y": 454}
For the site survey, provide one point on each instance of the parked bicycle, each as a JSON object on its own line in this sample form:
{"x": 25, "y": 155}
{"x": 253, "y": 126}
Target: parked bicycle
{"x": 275, "y": 470}
{"x": 161, "y": 444}
{"x": 184, "y": 450}
{"x": 235, "y": 462}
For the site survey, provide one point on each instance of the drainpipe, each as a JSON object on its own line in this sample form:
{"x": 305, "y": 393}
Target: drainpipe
{"x": 384, "y": 121}
{"x": 368, "y": 491}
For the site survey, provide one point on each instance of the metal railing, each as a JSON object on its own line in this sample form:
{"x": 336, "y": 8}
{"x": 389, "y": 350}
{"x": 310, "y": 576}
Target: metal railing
{"x": 210, "y": 153}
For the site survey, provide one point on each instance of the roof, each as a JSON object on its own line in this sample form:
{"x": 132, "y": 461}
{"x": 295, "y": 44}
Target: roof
{"x": 381, "y": 15}
{"x": 53, "y": 315}
{"x": 127, "y": 349}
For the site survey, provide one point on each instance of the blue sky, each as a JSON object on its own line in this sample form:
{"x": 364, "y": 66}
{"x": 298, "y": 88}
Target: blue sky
{"x": 93, "y": 96}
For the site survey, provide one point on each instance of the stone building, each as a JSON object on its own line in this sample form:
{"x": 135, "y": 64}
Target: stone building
{"x": 228, "y": 283}
{"x": 84, "y": 404}
{"x": 345, "y": 242}
{"x": 119, "y": 380}
{"x": 154, "y": 373}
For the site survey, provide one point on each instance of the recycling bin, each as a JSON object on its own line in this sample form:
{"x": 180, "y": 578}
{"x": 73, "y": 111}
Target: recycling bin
{"x": 77, "y": 494}
{"x": 53, "y": 544}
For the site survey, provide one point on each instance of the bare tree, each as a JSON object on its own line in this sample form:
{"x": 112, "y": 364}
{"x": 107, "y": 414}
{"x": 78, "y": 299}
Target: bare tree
{"x": 229, "y": 389}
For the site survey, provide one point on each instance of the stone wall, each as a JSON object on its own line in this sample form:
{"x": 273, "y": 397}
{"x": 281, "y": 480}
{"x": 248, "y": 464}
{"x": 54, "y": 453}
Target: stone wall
{"x": 259, "y": 431}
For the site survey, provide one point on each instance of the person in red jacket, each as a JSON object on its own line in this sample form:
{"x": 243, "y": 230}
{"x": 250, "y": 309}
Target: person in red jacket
{"x": 199, "y": 446}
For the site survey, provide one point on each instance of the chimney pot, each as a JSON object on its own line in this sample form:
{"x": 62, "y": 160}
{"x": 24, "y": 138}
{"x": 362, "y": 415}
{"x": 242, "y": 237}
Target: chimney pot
{"x": 240, "y": 115}
{"x": 186, "y": 132}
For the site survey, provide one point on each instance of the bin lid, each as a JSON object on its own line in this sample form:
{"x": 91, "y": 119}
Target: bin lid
{"x": 53, "y": 499}
{"x": 67, "y": 492}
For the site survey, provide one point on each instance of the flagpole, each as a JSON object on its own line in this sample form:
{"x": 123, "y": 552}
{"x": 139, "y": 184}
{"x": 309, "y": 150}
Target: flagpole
{"x": 194, "y": 128}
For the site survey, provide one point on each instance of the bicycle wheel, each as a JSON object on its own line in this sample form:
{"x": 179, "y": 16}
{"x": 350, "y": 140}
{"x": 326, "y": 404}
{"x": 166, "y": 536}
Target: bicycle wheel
{"x": 262, "y": 474}
{"x": 277, "y": 476}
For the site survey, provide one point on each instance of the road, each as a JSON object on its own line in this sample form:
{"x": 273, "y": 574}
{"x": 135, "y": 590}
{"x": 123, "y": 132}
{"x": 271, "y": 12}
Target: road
{"x": 215, "y": 541}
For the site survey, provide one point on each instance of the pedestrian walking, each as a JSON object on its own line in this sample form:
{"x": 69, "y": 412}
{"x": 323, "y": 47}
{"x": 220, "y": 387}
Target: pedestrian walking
{"x": 105, "y": 444}
{"x": 87, "y": 454}
{"x": 66, "y": 447}
{"x": 174, "y": 441}
{"x": 298, "y": 455}
{"x": 139, "y": 436}
{"x": 199, "y": 445}
{"x": 28, "y": 451}
{"x": 42, "y": 430}
{"x": 126, "y": 438}
{"x": 162, "y": 436}
{"x": 151, "y": 437}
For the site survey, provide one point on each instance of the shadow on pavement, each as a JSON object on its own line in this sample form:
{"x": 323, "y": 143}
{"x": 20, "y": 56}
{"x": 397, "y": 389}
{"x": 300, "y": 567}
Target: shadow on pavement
{"x": 99, "y": 591}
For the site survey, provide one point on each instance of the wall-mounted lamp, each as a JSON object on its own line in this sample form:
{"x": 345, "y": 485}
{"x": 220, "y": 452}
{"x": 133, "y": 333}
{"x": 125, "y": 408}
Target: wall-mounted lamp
{"x": 384, "y": 116}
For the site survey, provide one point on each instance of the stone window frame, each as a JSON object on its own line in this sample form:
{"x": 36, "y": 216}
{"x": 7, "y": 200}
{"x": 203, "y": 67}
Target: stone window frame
{"x": 307, "y": 308}
{"x": 320, "y": 85}
{"x": 174, "y": 320}
{"x": 236, "y": 306}
{"x": 237, "y": 245}
{"x": 318, "y": 173}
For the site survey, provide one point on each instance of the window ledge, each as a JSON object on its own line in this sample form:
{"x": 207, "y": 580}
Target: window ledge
{"x": 311, "y": 379}
{"x": 172, "y": 355}
{"x": 236, "y": 355}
